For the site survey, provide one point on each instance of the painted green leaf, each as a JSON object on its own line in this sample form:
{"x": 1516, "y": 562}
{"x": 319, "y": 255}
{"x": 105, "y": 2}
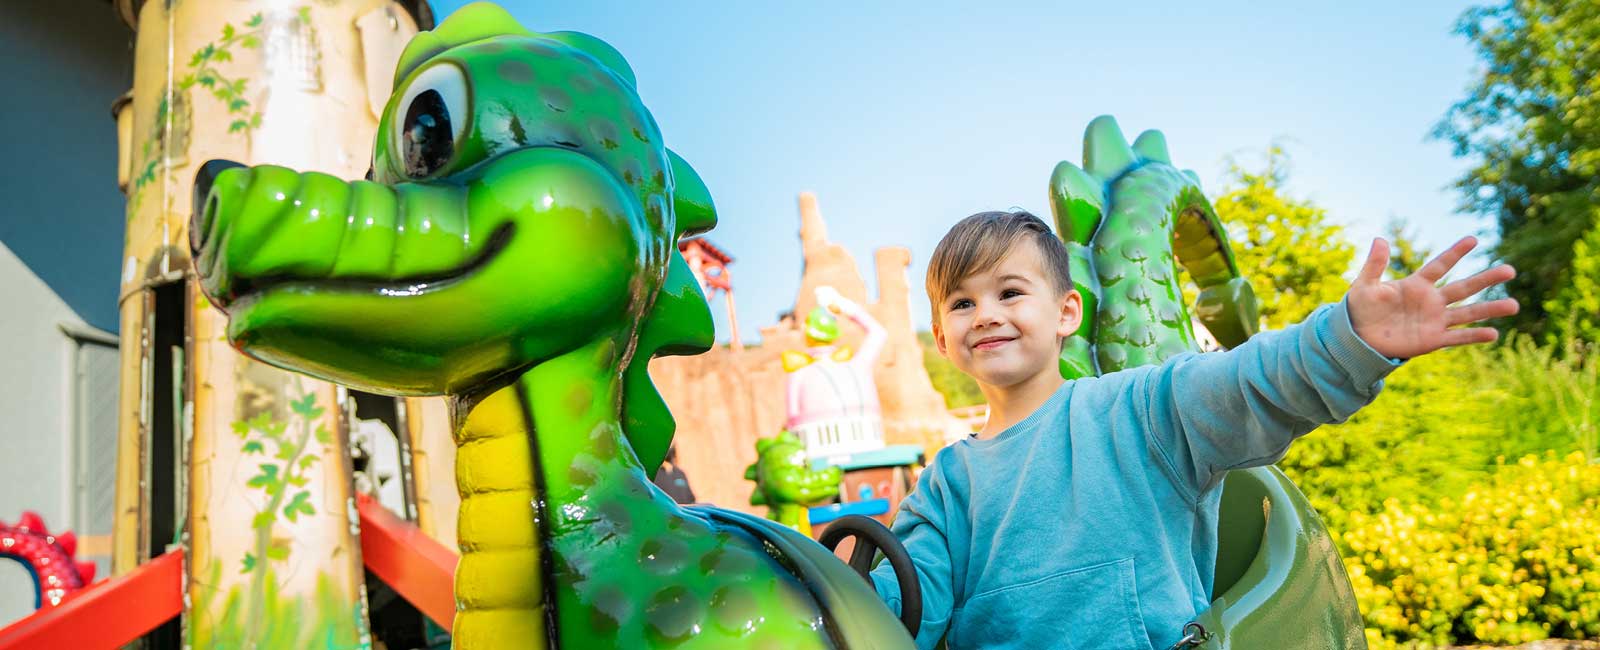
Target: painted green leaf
{"x": 240, "y": 428}
{"x": 305, "y": 15}
{"x": 255, "y": 120}
{"x": 248, "y": 563}
{"x": 298, "y": 481}
{"x": 250, "y": 42}
{"x": 237, "y": 105}
{"x": 324, "y": 436}
{"x": 300, "y": 504}
{"x": 238, "y": 125}
{"x": 227, "y": 32}
{"x": 285, "y": 452}
{"x": 278, "y": 552}
{"x": 253, "y": 447}
{"x": 304, "y": 405}
{"x": 255, "y": 21}
{"x": 183, "y": 84}
{"x": 262, "y": 519}
{"x": 222, "y": 55}
{"x": 268, "y": 475}
{"x": 307, "y": 461}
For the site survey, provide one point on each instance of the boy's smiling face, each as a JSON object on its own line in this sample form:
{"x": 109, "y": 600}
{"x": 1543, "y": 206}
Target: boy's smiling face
{"x": 1003, "y": 325}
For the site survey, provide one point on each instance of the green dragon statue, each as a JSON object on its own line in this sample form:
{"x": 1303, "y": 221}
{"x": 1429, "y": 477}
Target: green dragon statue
{"x": 515, "y": 249}
{"x": 1129, "y": 218}
{"x": 786, "y": 483}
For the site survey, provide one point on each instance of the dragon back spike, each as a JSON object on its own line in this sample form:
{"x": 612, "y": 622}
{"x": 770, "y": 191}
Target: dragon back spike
{"x": 1106, "y": 153}
{"x": 1152, "y": 145}
{"x": 678, "y": 324}
{"x": 691, "y": 198}
{"x": 1078, "y": 202}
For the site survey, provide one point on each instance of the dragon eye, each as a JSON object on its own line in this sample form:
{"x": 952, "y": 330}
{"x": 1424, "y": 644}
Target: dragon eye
{"x": 433, "y": 116}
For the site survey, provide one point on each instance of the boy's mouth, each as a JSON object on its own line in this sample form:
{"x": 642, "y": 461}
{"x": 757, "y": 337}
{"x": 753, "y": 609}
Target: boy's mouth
{"x": 992, "y": 342}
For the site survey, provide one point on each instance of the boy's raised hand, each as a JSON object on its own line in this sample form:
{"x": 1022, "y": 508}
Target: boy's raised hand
{"x": 1413, "y": 316}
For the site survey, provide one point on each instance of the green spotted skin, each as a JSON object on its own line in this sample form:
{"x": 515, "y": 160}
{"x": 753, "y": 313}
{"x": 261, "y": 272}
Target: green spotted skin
{"x": 515, "y": 249}
{"x": 1129, "y": 218}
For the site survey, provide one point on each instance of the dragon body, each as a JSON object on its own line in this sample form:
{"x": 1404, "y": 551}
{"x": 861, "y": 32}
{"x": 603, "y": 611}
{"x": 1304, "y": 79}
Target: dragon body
{"x": 515, "y": 249}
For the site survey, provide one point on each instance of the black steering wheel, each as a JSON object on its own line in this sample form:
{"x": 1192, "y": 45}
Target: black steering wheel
{"x": 872, "y": 537}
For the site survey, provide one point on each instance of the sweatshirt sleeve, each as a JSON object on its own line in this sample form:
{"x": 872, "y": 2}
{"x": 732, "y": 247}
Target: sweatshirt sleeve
{"x": 1205, "y": 414}
{"x": 920, "y": 526}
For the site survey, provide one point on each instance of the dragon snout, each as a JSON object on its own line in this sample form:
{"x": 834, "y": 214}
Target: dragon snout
{"x": 205, "y": 204}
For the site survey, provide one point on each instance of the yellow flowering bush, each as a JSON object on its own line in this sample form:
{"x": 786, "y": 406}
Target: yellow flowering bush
{"x": 1445, "y": 541}
{"x": 1517, "y": 560}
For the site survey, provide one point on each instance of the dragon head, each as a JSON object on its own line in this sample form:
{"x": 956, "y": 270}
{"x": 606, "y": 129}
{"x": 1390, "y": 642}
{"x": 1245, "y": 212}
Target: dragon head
{"x": 521, "y": 205}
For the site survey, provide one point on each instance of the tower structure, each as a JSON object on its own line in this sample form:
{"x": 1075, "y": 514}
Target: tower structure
{"x": 710, "y": 266}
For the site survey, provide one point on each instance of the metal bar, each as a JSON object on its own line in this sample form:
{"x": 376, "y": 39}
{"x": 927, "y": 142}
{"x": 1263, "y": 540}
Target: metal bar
{"x": 415, "y": 565}
{"x": 107, "y": 614}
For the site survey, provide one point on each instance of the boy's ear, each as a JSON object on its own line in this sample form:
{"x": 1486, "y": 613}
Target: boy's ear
{"x": 938, "y": 338}
{"x": 1071, "y": 314}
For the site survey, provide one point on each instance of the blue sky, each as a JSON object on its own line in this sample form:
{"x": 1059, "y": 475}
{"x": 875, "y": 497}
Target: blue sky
{"x": 904, "y": 117}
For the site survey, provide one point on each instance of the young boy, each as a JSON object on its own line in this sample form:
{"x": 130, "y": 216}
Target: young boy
{"x": 1084, "y": 514}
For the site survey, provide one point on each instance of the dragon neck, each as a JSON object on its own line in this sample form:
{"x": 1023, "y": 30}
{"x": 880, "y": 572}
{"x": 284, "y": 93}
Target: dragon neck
{"x": 552, "y": 438}
{"x": 1141, "y": 316}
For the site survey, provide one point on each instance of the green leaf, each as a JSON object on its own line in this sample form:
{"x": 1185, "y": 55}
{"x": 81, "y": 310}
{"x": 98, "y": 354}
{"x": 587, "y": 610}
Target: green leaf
{"x": 207, "y": 79}
{"x": 253, "y": 447}
{"x": 241, "y": 428}
{"x": 221, "y": 56}
{"x": 227, "y": 31}
{"x": 250, "y": 42}
{"x": 300, "y": 504}
{"x": 262, "y": 520}
{"x": 278, "y": 552}
{"x": 248, "y": 564}
{"x": 238, "y": 125}
{"x": 285, "y": 452}
{"x": 255, "y": 21}
{"x": 307, "y": 461}
{"x": 268, "y": 475}
{"x": 305, "y": 15}
{"x": 324, "y": 436}
{"x": 304, "y": 405}
{"x": 298, "y": 480}
{"x": 255, "y": 120}
{"x": 183, "y": 84}
{"x": 237, "y": 105}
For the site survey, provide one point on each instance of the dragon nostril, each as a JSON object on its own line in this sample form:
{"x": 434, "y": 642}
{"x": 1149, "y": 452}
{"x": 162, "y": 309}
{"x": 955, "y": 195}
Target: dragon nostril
{"x": 205, "y": 204}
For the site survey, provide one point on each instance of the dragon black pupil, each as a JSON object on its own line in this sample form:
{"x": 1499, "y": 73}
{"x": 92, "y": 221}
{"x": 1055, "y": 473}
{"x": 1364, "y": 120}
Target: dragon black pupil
{"x": 429, "y": 139}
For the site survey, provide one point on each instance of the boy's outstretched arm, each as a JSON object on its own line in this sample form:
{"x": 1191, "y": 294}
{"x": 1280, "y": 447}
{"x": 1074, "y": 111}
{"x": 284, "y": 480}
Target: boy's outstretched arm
{"x": 1209, "y": 413}
{"x": 920, "y": 525}
{"x": 1411, "y": 317}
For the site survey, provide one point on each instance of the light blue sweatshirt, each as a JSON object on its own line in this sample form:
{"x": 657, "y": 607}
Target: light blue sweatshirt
{"x": 1093, "y": 523}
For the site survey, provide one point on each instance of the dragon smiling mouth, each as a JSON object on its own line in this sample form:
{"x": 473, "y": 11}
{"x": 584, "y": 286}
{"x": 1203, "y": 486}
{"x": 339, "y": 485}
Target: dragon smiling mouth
{"x": 269, "y": 229}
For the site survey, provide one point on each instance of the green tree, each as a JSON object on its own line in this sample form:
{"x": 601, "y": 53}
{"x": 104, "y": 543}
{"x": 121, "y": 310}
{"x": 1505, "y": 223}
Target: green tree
{"x": 1405, "y": 257}
{"x": 1293, "y": 256}
{"x": 1574, "y": 311}
{"x": 1531, "y": 123}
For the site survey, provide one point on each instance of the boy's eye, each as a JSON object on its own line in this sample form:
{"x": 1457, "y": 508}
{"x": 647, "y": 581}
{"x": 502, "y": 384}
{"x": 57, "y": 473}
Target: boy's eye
{"x": 961, "y": 303}
{"x": 1009, "y": 293}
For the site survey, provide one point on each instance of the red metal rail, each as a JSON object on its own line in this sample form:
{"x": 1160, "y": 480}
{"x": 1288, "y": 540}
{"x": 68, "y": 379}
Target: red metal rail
{"x": 416, "y": 566}
{"x": 106, "y": 614}
{"x": 115, "y": 612}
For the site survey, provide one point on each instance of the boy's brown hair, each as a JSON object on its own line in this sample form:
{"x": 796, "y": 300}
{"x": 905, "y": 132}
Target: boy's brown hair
{"x": 980, "y": 241}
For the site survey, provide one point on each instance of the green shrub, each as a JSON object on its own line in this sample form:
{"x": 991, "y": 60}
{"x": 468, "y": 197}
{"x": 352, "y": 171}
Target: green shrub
{"x": 1444, "y": 540}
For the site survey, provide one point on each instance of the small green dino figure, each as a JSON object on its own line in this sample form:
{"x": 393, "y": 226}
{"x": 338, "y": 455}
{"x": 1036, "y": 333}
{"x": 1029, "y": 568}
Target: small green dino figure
{"x": 515, "y": 249}
{"x": 786, "y": 483}
{"x": 1127, "y": 222}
